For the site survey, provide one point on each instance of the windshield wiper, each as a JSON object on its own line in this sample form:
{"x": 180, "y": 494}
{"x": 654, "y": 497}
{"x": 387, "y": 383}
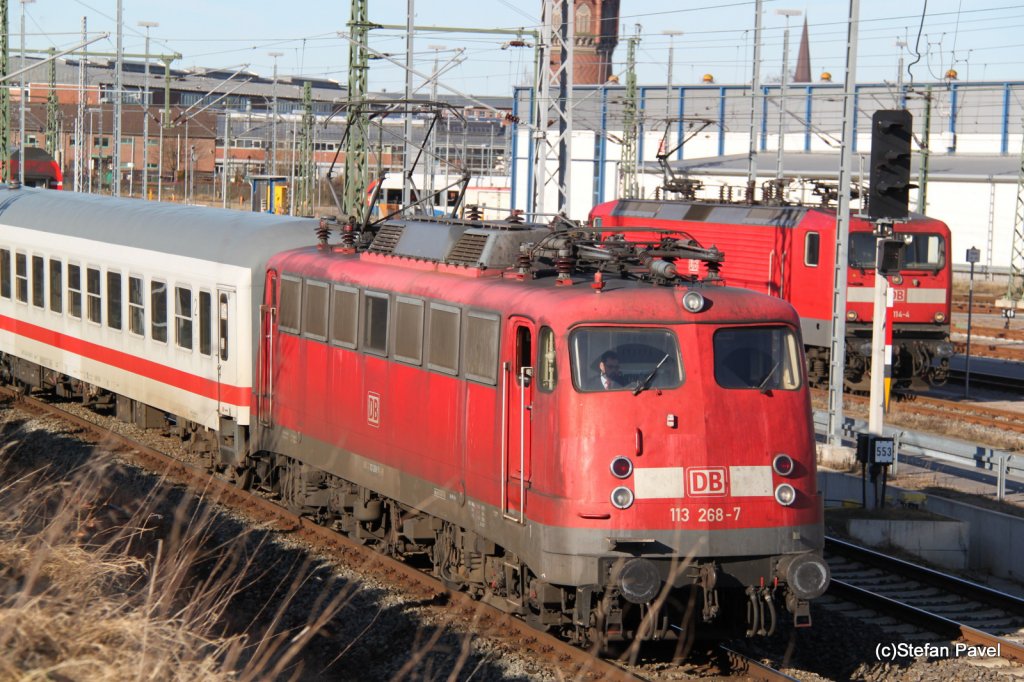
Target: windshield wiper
{"x": 764, "y": 384}
{"x": 642, "y": 385}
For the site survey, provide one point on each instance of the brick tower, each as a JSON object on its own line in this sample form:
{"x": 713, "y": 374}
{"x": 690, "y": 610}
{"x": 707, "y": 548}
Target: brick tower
{"x": 597, "y": 34}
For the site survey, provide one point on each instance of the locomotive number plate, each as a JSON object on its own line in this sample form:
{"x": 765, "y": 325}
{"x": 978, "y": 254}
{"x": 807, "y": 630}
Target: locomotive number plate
{"x": 704, "y": 514}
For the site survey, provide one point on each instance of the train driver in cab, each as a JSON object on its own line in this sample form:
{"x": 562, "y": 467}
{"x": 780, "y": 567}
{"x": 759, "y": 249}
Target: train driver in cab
{"x": 611, "y": 371}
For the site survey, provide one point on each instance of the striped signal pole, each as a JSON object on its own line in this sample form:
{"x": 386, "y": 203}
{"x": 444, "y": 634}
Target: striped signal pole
{"x": 890, "y": 296}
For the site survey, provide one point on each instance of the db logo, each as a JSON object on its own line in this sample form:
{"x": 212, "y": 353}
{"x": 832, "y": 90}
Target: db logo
{"x": 373, "y": 409}
{"x": 709, "y": 481}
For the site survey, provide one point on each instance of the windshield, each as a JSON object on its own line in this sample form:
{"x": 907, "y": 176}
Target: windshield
{"x": 764, "y": 358}
{"x": 922, "y": 251}
{"x": 623, "y": 358}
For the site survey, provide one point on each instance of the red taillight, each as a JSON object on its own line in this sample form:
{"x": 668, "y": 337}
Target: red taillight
{"x": 783, "y": 465}
{"x": 621, "y": 467}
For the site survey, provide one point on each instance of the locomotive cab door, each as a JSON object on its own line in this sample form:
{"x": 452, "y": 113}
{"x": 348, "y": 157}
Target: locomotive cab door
{"x": 517, "y": 385}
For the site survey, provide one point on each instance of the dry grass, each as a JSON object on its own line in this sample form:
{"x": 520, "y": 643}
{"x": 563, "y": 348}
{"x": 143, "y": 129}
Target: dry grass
{"x": 95, "y": 587}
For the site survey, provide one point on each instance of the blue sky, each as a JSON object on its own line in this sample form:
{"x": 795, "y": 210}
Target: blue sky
{"x": 981, "y": 39}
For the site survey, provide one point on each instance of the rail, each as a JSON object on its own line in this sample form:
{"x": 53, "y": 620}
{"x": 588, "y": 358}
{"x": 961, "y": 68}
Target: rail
{"x": 1002, "y": 464}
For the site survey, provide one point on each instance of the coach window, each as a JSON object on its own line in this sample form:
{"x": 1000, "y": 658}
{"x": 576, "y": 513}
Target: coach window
{"x": 5, "y": 273}
{"x": 344, "y": 316}
{"x": 546, "y": 360}
{"x": 114, "y": 297}
{"x": 443, "y": 349}
{"x": 223, "y": 318}
{"x": 409, "y": 330}
{"x": 375, "y": 323}
{"x": 75, "y": 290}
{"x": 136, "y": 307}
{"x": 94, "y": 309}
{"x": 183, "y": 317}
{"x": 480, "y": 347}
{"x": 812, "y": 245}
{"x": 205, "y": 323}
{"x": 38, "y": 282}
{"x": 314, "y": 310}
{"x": 56, "y": 286}
{"x": 158, "y": 301}
{"x": 21, "y": 277}
{"x": 290, "y": 305}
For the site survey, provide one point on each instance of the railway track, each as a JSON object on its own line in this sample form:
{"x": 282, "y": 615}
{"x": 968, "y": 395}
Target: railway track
{"x": 453, "y": 608}
{"x": 989, "y": 621}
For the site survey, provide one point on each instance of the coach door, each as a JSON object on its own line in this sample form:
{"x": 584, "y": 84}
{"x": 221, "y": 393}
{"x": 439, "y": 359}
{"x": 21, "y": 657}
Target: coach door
{"x": 517, "y": 385}
{"x": 227, "y": 357}
{"x": 264, "y": 368}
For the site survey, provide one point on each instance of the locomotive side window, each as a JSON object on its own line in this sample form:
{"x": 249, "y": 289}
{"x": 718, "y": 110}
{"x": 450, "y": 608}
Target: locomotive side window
{"x": 546, "y": 374}
{"x": 345, "y": 316}
{"x": 5, "y": 273}
{"x": 205, "y": 323}
{"x": 136, "y": 307}
{"x": 21, "y": 277}
{"x": 443, "y": 347}
{"x": 480, "y": 347}
{"x": 290, "y": 305}
{"x": 314, "y": 310}
{"x": 624, "y": 358}
{"x": 56, "y": 286}
{"x": 409, "y": 330}
{"x": 183, "y": 317}
{"x": 114, "y": 300}
{"x": 763, "y": 358}
{"x": 94, "y": 308}
{"x": 38, "y": 282}
{"x": 375, "y": 323}
{"x": 158, "y": 300}
{"x": 812, "y": 246}
{"x": 75, "y": 290}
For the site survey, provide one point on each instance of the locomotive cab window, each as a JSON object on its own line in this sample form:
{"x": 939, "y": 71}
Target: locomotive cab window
{"x": 443, "y": 348}
{"x": 5, "y": 273}
{"x": 862, "y": 250}
{"x": 21, "y": 277}
{"x": 375, "y": 322}
{"x": 314, "y": 310}
{"x": 624, "y": 358}
{"x": 75, "y": 290}
{"x": 409, "y": 330}
{"x": 56, "y": 286}
{"x": 345, "y": 316}
{"x": 290, "y": 305}
{"x": 480, "y": 347}
{"x": 38, "y": 282}
{"x": 762, "y": 358}
{"x": 923, "y": 251}
{"x": 812, "y": 247}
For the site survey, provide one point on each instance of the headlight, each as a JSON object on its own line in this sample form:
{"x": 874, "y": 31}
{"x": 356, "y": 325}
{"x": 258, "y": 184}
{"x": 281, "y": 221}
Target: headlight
{"x": 851, "y": 315}
{"x": 940, "y": 317}
{"x": 785, "y": 494}
{"x": 621, "y": 467}
{"x": 622, "y": 498}
{"x": 782, "y": 464}
{"x": 693, "y": 301}
{"x": 897, "y": 278}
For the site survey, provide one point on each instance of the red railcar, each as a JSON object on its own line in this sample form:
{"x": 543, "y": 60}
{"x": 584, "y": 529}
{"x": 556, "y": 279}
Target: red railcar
{"x": 789, "y": 251}
{"x": 41, "y": 169}
{"x": 427, "y": 398}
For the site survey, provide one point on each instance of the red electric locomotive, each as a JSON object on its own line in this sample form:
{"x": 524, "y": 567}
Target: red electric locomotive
{"x": 564, "y": 438}
{"x": 788, "y": 252}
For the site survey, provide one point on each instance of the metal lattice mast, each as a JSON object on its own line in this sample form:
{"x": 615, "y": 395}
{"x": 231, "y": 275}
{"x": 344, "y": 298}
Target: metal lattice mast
{"x": 557, "y": 33}
{"x": 355, "y": 143}
{"x": 1015, "y": 286}
{"x": 80, "y": 120}
{"x": 5, "y": 97}
{"x": 307, "y": 168}
{"x": 630, "y": 129}
{"x": 52, "y": 110}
